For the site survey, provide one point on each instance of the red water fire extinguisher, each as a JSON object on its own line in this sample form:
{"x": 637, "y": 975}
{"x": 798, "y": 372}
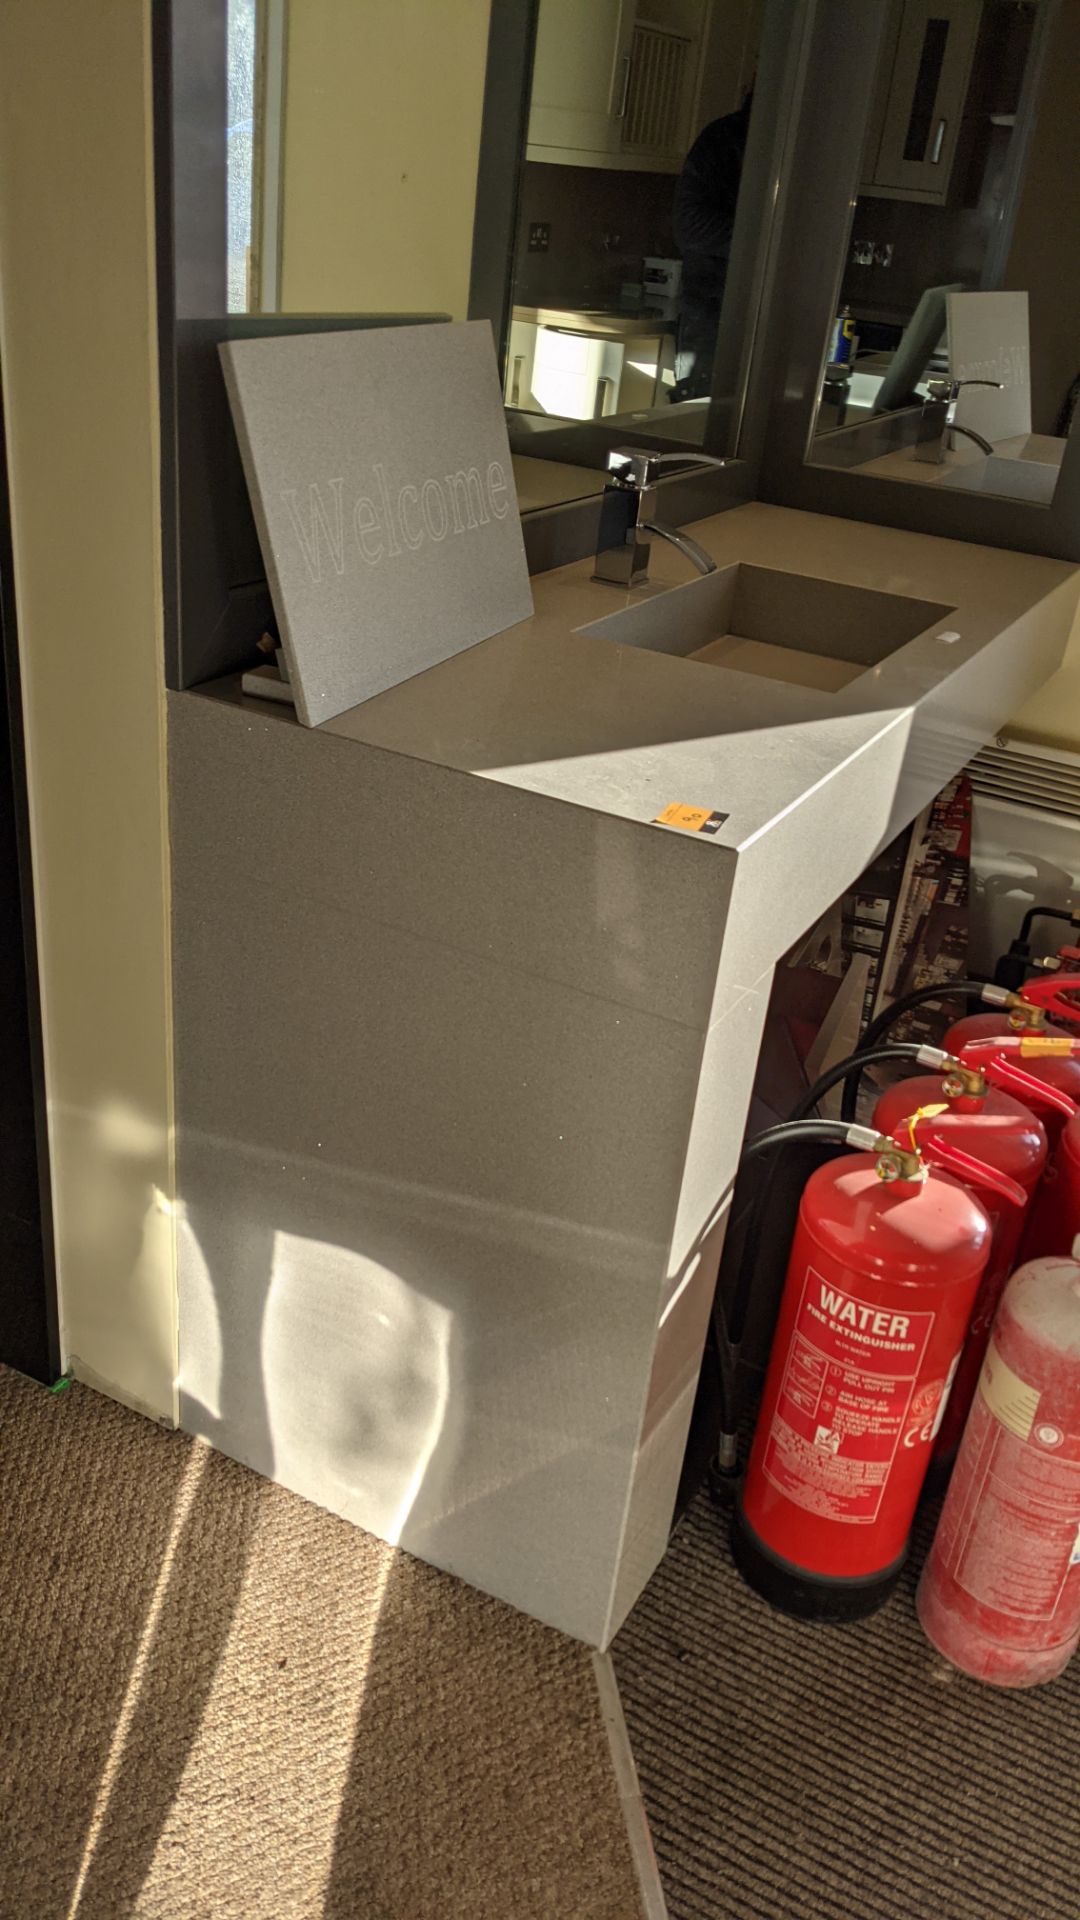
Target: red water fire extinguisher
{"x": 990, "y": 1101}
{"x": 1054, "y": 1219}
{"x": 1026, "y": 1012}
{"x": 888, "y": 1252}
{"x": 1000, "y": 1593}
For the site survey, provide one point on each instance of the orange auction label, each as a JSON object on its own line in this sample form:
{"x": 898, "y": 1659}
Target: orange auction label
{"x": 846, "y": 1402}
{"x": 1037, "y": 1046}
{"x": 690, "y": 819}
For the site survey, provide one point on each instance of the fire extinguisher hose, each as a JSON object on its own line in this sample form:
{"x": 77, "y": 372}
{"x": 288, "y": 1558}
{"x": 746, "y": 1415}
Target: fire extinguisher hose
{"x": 841, "y": 1131}
{"x": 850, "y": 1070}
{"x": 948, "y": 990}
{"x": 927, "y": 1056}
{"x": 729, "y": 1317}
{"x": 847, "y": 1069}
{"x": 798, "y": 1127}
{"x": 1046, "y": 913}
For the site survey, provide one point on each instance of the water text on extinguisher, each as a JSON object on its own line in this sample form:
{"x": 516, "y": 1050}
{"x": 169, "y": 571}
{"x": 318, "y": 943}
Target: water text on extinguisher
{"x": 845, "y": 1401}
{"x": 848, "y": 1312}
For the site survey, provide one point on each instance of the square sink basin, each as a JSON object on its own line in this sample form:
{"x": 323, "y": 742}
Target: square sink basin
{"x": 779, "y": 626}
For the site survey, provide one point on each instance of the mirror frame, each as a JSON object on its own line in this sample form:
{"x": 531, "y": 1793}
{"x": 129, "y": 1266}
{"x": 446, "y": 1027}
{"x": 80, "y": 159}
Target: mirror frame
{"x": 504, "y": 115}
{"x": 811, "y": 246}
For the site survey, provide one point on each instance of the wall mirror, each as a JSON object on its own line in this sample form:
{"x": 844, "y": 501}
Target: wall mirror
{"x": 635, "y": 144}
{"x": 950, "y": 274}
{"x": 925, "y": 358}
{"x": 571, "y": 170}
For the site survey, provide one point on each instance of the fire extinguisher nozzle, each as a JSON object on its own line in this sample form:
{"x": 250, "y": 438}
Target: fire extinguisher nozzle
{"x": 992, "y": 996}
{"x": 935, "y": 1057}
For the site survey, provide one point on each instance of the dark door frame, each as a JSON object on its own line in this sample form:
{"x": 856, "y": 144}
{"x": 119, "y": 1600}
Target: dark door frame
{"x": 29, "y": 1304}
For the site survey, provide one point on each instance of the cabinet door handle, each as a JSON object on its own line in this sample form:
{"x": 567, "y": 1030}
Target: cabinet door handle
{"x": 627, "y": 62}
{"x": 939, "y": 142}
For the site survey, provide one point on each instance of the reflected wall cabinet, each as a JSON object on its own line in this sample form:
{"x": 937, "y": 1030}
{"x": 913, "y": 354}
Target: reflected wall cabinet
{"x": 925, "y": 70}
{"x": 615, "y": 84}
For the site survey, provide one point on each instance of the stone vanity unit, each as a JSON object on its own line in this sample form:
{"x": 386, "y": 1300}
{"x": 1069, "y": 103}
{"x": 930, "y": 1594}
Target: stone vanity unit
{"x": 470, "y": 982}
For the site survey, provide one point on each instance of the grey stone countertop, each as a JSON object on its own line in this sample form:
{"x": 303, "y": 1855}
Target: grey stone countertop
{"x": 553, "y": 710}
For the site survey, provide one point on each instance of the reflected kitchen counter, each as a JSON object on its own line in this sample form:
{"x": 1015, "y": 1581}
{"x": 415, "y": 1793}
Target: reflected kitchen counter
{"x": 582, "y": 363}
{"x": 606, "y": 322}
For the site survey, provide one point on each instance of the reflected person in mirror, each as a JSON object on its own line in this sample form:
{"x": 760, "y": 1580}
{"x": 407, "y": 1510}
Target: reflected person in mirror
{"x": 704, "y": 217}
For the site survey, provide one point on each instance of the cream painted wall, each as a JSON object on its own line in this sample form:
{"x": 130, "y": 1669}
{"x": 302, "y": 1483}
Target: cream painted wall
{"x": 78, "y": 358}
{"x": 1052, "y": 716}
{"x": 381, "y": 136}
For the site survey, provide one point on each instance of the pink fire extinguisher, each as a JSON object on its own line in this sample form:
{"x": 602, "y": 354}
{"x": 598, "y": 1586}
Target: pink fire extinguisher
{"x": 1000, "y": 1593}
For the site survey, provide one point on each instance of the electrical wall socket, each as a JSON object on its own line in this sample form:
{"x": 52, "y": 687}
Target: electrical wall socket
{"x": 871, "y": 253}
{"x": 539, "y": 236}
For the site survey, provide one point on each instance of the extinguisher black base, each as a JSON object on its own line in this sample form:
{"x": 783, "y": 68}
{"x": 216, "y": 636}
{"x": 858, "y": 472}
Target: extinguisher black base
{"x": 809, "y": 1596}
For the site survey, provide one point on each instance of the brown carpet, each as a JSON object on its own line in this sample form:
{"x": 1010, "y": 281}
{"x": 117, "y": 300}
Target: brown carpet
{"x": 794, "y": 1772}
{"x": 220, "y": 1703}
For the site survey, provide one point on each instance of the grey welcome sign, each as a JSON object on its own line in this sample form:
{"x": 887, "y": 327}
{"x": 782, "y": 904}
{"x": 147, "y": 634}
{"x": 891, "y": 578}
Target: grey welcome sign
{"x": 380, "y": 479}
